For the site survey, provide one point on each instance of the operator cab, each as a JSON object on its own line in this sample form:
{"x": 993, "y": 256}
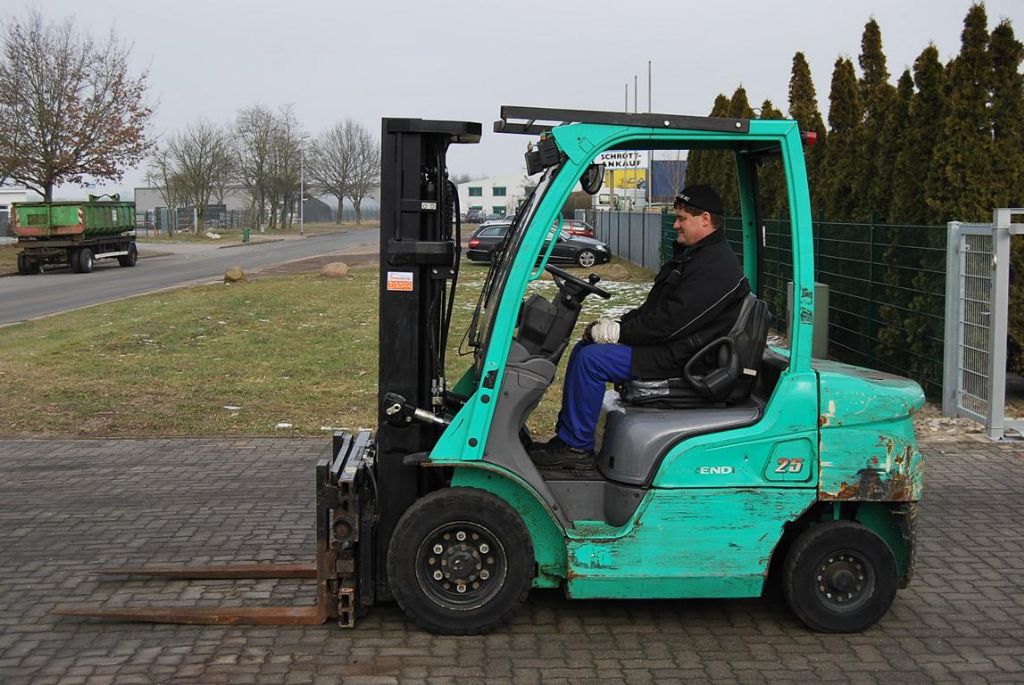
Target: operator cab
{"x": 645, "y": 420}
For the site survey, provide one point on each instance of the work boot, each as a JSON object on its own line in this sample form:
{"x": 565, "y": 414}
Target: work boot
{"x": 555, "y": 453}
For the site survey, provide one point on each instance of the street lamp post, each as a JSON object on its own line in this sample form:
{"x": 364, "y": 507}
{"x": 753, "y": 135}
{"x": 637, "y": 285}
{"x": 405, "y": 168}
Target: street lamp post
{"x": 302, "y": 191}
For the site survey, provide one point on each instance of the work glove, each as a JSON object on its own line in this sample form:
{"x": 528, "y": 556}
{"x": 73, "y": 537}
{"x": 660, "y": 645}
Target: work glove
{"x": 605, "y": 331}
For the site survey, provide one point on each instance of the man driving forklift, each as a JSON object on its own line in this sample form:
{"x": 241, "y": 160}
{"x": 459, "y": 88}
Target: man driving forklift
{"x": 696, "y": 297}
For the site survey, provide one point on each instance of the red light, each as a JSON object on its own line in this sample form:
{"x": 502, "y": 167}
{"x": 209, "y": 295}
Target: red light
{"x": 474, "y": 242}
{"x": 809, "y": 137}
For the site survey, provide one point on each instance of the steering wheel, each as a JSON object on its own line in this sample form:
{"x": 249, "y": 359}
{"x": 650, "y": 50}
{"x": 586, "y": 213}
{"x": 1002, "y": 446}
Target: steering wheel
{"x": 588, "y": 286}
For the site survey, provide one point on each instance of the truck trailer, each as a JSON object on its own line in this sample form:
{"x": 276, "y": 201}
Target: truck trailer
{"x": 74, "y": 234}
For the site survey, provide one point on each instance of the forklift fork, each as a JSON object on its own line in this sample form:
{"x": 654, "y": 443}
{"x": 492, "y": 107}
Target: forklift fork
{"x": 343, "y": 504}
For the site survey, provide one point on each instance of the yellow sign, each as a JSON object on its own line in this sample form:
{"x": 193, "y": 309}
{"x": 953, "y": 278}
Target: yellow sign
{"x": 625, "y": 179}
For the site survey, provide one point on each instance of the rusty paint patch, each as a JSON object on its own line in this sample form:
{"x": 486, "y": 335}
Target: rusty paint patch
{"x": 871, "y": 488}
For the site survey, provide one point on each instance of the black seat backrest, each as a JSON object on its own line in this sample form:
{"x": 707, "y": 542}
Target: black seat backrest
{"x": 728, "y": 366}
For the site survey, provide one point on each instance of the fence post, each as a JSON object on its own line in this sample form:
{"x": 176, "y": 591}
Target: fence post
{"x": 872, "y": 326}
{"x": 998, "y": 323}
{"x": 951, "y": 346}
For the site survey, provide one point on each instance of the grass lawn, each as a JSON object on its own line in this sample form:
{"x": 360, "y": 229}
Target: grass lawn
{"x": 231, "y": 360}
{"x": 8, "y": 259}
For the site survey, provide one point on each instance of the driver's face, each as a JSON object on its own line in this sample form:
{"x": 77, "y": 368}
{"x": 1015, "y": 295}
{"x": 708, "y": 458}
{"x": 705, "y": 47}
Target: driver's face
{"x": 690, "y": 228}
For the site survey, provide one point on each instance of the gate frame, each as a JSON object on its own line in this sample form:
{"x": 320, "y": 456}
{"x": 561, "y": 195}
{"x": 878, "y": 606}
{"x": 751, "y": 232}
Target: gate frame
{"x": 1001, "y": 230}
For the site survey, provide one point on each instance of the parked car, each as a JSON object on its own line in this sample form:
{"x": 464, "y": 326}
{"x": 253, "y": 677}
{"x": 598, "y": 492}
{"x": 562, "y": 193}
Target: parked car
{"x": 585, "y": 252}
{"x": 575, "y": 227}
{"x": 474, "y": 216}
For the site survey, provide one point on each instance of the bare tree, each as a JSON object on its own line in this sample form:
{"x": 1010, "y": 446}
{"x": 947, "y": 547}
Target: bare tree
{"x": 161, "y": 175}
{"x": 201, "y": 159}
{"x": 367, "y": 168}
{"x": 330, "y": 164}
{"x": 253, "y": 139}
{"x": 345, "y": 162}
{"x": 285, "y": 152}
{"x": 68, "y": 106}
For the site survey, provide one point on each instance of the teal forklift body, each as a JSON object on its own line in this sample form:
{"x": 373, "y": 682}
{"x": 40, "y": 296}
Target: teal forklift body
{"x": 716, "y": 508}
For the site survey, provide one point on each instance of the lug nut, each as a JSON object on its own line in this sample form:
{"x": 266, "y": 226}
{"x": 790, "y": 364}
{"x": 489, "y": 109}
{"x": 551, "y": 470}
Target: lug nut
{"x": 461, "y": 588}
{"x": 438, "y": 575}
{"x": 485, "y": 574}
{"x": 484, "y": 548}
{"x": 460, "y": 536}
{"x": 438, "y": 549}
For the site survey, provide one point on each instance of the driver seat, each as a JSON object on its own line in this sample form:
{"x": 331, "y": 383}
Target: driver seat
{"x": 732, "y": 362}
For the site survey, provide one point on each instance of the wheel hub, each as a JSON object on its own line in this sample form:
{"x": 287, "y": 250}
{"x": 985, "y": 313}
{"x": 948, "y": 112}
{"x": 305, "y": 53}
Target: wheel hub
{"x": 843, "y": 579}
{"x": 461, "y": 565}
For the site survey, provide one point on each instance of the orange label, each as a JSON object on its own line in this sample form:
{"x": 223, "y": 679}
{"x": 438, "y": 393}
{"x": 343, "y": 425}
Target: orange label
{"x": 400, "y": 281}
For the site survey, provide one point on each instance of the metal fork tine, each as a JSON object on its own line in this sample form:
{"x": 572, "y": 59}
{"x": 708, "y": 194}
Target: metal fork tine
{"x": 284, "y": 615}
{"x": 297, "y": 570}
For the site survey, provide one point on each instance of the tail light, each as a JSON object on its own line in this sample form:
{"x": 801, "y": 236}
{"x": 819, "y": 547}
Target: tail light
{"x": 474, "y": 242}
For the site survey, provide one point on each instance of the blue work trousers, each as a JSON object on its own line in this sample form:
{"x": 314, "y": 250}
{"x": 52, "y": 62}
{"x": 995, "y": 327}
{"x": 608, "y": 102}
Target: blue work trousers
{"x": 591, "y": 365}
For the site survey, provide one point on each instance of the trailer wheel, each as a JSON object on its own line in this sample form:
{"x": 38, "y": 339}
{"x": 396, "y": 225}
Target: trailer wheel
{"x": 131, "y": 258}
{"x": 460, "y": 562}
{"x": 84, "y": 260}
{"x": 840, "y": 577}
{"x": 24, "y": 268}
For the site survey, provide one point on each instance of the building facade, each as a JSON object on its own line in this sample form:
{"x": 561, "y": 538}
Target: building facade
{"x": 498, "y": 196}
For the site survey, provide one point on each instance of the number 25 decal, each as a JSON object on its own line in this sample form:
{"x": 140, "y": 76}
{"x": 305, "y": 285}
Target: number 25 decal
{"x": 789, "y": 465}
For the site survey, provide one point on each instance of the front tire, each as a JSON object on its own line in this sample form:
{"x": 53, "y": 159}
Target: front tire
{"x": 840, "y": 577}
{"x": 460, "y": 562}
{"x": 586, "y": 258}
{"x": 85, "y": 260}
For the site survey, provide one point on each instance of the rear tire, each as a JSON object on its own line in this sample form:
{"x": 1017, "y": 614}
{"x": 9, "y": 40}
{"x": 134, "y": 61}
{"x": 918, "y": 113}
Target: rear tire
{"x": 840, "y": 577}
{"x": 85, "y": 260}
{"x": 24, "y": 268}
{"x": 131, "y": 258}
{"x": 460, "y": 562}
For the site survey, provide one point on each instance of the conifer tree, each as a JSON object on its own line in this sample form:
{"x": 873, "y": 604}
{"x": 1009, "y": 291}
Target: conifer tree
{"x": 891, "y": 141}
{"x": 1008, "y": 136}
{"x": 926, "y": 119}
{"x": 875, "y": 160}
{"x": 724, "y": 165}
{"x": 1007, "y": 116}
{"x": 839, "y": 180}
{"x": 771, "y": 180}
{"x": 803, "y": 106}
{"x": 961, "y": 179}
{"x": 697, "y": 160}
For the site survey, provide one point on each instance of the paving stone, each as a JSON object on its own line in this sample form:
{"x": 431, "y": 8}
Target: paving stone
{"x": 72, "y": 506}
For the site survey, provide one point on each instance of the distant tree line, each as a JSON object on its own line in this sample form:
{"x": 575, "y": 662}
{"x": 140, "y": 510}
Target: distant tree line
{"x": 944, "y": 143}
{"x": 268, "y": 154}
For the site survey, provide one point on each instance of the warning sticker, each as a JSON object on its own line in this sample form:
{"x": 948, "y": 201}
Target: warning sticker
{"x": 400, "y": 281}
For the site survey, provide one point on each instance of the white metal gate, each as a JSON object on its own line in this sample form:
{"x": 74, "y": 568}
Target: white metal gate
{"x": 977, "y": 301}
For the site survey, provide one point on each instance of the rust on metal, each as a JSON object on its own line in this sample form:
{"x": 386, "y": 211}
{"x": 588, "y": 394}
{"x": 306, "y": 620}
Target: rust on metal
{"x": 871, "y": 488}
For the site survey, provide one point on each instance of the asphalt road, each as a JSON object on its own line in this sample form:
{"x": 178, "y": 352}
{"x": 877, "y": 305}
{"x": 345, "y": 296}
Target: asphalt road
{"x": 29, "y": 297}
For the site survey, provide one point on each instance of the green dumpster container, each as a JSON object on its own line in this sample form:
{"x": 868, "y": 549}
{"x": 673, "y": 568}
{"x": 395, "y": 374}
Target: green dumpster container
{"x": 245, "y": 235}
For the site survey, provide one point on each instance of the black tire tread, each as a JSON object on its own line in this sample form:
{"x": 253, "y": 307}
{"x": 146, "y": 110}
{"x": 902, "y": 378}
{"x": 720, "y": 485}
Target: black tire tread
{"x": 886, "y": 575}
{"x": 461, "y": 500}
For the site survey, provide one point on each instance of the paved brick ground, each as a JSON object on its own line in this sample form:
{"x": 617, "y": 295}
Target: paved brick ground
{"x": 70, "y": 506}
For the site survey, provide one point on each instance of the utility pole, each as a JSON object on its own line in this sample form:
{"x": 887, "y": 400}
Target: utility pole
{"x": 650, "y": 153}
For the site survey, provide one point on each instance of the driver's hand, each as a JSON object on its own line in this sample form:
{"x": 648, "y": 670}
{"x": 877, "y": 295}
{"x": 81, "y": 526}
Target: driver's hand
{"x": 605, "y": 331}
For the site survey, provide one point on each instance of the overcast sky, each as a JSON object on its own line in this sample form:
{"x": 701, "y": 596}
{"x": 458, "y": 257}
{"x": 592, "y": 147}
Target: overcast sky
{"x": 451, "y": 59}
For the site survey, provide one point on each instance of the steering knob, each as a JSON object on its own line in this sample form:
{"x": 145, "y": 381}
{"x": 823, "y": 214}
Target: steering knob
{"x": 594, "y": 279}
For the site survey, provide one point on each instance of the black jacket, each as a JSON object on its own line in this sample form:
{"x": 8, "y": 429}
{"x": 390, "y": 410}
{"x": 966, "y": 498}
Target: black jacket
{"x": 695, "y": 298}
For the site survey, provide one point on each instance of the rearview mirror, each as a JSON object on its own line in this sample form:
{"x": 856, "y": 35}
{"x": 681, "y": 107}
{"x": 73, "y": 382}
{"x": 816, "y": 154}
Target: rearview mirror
{"x": 592, "y": 179}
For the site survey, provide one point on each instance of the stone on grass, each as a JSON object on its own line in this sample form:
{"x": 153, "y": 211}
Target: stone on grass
{"x": 234, "y": 274}
{"x": 616, "y": 272}
{"x": 335, "y": 270}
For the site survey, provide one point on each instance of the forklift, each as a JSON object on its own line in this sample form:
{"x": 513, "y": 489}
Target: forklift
{"x": 771, "y": 467}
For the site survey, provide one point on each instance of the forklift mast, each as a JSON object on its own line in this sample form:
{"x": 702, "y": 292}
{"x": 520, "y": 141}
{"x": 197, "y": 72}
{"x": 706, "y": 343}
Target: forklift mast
{"x": 419, "y": 261}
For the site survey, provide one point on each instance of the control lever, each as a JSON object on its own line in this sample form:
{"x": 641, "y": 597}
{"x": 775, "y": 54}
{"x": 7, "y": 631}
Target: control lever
{"x": 400, "y": 413}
